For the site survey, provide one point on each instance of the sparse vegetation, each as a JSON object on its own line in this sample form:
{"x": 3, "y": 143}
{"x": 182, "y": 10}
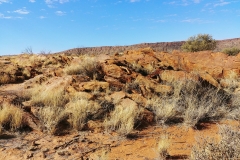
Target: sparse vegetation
{"x": 10, "y": 117}
{"x": 163, "y": 146}
{"x": 86, "y": 65}
{"x": 28, "y": 50}
{"x": 164, "y": 109}
{"x": 190, "y": 103}
{"x": 52, "y": 95}
{"x": 4, "y": 78}
{"x": 231, "y": 82}
{"x": 231, "y": 51}
{"x": 201, "y": 42}
{"x": 50, "y": 116}
{"x": 202, "y": 103}
{"x": 83, "y": 96}
{"x": 226, "y": 148}
{"x": 79, "y": 110}
{"x": 122, "y": 119}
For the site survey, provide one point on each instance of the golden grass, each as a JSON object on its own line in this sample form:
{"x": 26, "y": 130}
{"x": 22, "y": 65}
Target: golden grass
{"x": 50, "y": 116}
{"x": 86, "y": 65}
{"x": 163, "y": 108}
{"x": 162, "y": 146}
{"x": 52, "y": 95}
{"x": 10, "y": 116}
{"x": 28, "y": 59}
{"x": 122, "y": 119}
{"x": 4, "y": 78}
{"x": 231, "y": 82}
{"x": 78, "y": 110}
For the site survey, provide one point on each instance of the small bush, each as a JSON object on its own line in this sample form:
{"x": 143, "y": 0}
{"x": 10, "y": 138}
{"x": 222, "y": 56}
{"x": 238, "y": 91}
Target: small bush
{"x": 201, "y": 42}
{"x": 227, "y": 148}
{"x": 231, "y": 51}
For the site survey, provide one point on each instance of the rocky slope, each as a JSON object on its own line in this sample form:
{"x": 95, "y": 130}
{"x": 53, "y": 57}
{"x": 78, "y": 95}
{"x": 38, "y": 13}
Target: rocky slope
{"x": 128, "y": 102}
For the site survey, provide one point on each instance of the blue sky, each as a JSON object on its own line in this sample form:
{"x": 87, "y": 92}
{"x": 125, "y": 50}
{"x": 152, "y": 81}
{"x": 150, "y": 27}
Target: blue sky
{"x": 57, "y": 25}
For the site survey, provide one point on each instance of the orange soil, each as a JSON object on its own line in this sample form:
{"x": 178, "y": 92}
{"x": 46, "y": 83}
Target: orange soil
{"x": 37, "y": 145}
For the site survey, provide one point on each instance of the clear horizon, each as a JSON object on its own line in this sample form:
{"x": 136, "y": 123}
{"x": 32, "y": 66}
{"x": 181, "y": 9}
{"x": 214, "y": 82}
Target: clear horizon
{"x": 58, "y": 25}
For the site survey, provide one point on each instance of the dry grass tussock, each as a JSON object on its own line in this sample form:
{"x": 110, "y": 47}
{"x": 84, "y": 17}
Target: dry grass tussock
{"x": 191, "y": 103}
{"x": 10, "y": 117}
{"x": 203, "y": 103}
{"x": 85, "y": 65}
{"x": 227, "y": 148}
{"x": 4, "y": 78}
{"x": 50, "y": 116}
{"x": 76, "y": 112}
{"x": 200, "y": 109}
{"x": 49, "y": 95}
{"x": 28, "y": 59}
{"x": 162, "y": 146}
{"x": 122, "y": 119}
{"x": 231, "y": 82}
{"x": 79, "y": 110}
{"x": 164, "y": 109}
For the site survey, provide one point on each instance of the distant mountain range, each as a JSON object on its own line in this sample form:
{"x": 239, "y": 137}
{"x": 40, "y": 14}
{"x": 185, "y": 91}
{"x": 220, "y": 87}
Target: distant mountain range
{"x": 158, "y": 47}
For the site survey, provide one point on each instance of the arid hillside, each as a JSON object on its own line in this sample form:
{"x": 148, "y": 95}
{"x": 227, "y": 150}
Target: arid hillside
{"x": 121, "y": 104}
{"x": 158, "y": 47}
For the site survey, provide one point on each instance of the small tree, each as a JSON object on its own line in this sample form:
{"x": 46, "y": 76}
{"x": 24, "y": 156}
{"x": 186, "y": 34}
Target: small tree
{"x": 201, "y": 42}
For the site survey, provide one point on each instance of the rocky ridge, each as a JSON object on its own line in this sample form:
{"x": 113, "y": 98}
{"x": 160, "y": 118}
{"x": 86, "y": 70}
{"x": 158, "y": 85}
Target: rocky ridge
{"x": 158, "y": 47}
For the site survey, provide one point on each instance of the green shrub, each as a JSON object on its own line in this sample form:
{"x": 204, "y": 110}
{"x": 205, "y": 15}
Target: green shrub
{"x": 231, "y": 51}
{"x": 201, "y": 42}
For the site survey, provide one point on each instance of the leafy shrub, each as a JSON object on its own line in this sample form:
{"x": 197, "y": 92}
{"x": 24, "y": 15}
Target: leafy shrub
{"x": 231, "y": 51}
{"x": 201, "y": 42}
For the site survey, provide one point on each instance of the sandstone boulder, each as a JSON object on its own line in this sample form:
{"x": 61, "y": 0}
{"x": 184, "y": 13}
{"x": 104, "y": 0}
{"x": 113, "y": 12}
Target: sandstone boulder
{"x": 148, "y": 85}
{"x": 113, "y": 70}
